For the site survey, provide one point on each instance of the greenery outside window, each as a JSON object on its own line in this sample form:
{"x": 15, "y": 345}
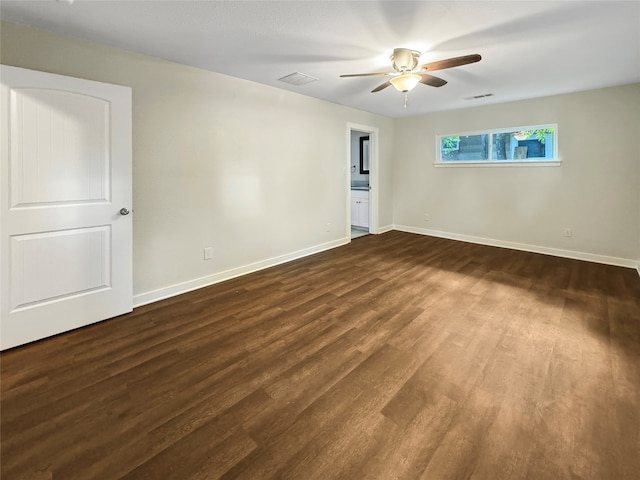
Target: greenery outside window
{"x": 534, "y": 144}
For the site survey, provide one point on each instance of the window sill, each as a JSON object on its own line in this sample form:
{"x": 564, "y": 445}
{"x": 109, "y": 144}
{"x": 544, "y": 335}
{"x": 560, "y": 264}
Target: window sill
{"x": 500, "y": 163}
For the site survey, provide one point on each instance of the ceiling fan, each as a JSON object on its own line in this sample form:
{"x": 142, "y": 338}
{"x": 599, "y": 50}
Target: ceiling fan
{"x": 408, "y": 74}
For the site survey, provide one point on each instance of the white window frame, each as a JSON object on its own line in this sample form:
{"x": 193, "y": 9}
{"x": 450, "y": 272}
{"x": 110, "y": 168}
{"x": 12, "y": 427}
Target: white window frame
{"x": 554, "y": 161}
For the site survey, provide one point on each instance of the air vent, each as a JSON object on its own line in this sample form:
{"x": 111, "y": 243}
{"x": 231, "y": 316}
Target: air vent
{"x": 298, "y": 79}
{"x": 475, "y": 97}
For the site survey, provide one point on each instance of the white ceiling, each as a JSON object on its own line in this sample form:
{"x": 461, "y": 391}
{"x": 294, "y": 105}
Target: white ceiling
{"x": 529, "y": 48}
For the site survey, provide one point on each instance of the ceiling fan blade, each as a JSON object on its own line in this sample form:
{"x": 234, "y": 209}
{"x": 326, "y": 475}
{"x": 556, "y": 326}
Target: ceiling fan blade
{"x": 381, "y": 87}
{"x": 452, "y": 62}
{"x": 365, "y": 74}
{"x": 431, "y": 80}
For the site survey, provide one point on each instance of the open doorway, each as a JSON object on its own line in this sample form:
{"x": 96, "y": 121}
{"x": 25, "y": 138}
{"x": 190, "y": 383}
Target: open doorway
{"x": 359, "y": 183}
{"x": 362, "y": 180}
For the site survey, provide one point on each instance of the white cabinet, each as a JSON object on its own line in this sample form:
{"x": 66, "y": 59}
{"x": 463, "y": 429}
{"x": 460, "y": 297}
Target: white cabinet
{"x": 360, "y": 208}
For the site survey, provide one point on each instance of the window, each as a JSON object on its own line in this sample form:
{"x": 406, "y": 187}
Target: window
{"x": 537, "y": 144}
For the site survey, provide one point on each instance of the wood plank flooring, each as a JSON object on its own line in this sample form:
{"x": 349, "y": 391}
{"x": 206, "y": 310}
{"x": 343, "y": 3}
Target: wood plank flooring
{"x": 397, "y": 356}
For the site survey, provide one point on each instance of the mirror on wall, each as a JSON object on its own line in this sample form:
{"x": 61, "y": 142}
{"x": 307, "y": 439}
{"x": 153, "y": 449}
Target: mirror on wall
{"x": 364, "y": 154}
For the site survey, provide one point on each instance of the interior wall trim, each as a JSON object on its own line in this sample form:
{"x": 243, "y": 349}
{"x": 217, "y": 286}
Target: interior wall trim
{"x": 184, "y": 287}
{"x": 556, "y": 252}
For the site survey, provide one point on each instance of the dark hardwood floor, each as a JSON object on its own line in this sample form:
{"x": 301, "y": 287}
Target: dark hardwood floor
{"x": 398, "y": 356}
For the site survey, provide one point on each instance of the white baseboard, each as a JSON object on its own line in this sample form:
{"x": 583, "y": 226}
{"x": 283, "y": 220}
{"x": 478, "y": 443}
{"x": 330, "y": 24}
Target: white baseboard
{"x": 385, "y": 229}
{"x": 184, "y": 287}
{"x": 556, "y": 252}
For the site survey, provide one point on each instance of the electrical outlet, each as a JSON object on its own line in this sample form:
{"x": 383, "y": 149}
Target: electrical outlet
{"x": 567, "y": 232}
{"x": 427, "y": 218}
{"x": 208, "y": 253}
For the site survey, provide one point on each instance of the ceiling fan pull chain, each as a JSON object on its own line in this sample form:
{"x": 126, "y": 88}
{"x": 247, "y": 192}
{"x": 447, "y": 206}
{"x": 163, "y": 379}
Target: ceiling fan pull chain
{"x": 406, "y": 100}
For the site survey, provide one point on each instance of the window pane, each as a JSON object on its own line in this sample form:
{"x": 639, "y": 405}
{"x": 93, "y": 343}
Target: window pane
{"x": 523, "y": 145}
{"x": 464, "y": 148}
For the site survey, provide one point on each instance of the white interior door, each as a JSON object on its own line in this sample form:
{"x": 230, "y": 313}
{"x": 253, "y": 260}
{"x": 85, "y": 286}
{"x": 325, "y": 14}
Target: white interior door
{"x": 66, "y": 247}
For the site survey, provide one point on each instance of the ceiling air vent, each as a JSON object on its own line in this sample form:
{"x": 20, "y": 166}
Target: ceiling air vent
{"x": 475, "y": 97}
{"x": 298, "y": 79}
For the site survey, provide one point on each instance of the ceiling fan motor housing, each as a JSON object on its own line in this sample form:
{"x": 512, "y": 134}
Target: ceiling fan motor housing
{"x": 404, "y": 59}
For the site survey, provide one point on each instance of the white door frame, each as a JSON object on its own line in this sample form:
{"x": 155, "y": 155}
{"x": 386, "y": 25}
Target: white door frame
{"x": 373, "y": 175}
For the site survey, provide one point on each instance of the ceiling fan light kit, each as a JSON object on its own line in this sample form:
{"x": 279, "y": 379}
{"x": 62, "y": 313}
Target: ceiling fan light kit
{"x": 405, "y": 82}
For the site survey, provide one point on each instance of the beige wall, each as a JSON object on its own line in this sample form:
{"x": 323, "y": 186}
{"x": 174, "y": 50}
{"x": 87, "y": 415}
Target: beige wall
{"x": 594, "y": 192}
{"x": 254, "y": 171}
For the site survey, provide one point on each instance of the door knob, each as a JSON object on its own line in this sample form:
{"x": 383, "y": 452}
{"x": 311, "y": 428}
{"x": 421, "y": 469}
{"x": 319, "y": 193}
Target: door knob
{"x": 124, "y": 211}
